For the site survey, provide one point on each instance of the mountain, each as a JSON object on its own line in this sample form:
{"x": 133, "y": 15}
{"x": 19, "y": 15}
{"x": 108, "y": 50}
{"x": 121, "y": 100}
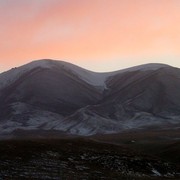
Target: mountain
{"x": 49, "y": 95}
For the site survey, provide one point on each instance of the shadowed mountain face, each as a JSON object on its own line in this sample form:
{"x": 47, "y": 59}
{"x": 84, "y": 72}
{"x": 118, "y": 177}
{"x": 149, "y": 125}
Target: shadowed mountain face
{"x": 55, "y": 95}
{"x": 55, "y": 90}
{"x": 155, "y": 92}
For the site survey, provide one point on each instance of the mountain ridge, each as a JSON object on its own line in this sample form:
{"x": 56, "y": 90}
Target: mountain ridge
{"x": 56, "y": 95}
{"x": 48, "y": 63}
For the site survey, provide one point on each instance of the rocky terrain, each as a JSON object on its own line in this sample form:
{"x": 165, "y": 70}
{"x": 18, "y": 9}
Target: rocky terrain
{"x": 79, "y": 158}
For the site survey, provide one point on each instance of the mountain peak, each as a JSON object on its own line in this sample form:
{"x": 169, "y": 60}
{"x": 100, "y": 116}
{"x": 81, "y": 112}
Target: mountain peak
{"x": 44, "y": 63}
{"x": 146, "y": 67}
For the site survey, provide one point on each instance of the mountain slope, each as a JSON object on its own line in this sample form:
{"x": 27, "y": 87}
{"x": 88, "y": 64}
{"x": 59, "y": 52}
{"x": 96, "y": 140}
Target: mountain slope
{"x": 55, "y": 95}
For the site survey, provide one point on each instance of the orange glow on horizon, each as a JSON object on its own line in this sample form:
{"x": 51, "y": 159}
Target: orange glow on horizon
{"x": 91, "y": 32}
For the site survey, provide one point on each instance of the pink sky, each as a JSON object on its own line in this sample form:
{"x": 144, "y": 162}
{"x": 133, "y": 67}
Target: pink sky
{"x": 100, "y": 35}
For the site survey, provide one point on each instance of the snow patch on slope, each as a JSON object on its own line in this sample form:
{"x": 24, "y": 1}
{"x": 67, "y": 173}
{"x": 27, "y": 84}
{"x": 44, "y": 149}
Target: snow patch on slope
{"x": 82, "y": 122}
{"x": 90, "y": 77}
{"x": 99, "y": 79}
{"x": 93, "y": 78}
{"x": 8, "y": 77}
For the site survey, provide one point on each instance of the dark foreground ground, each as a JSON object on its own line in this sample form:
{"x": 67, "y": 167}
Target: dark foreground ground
{"x": 124, "y": 156}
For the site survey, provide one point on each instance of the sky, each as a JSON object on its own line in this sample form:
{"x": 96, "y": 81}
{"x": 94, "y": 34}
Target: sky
{"x": 99, "y": 35}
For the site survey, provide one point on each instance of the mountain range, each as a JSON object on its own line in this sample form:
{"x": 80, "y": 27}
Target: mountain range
{"x": 49, "y": 95}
